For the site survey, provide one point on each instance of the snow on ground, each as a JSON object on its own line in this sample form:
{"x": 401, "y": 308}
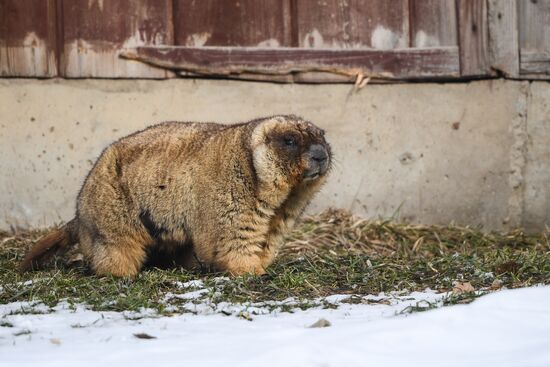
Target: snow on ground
{"x": 507, "y": 328}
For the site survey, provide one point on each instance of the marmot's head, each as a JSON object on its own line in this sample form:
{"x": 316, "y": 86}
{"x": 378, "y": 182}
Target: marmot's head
{"x": 288, "y": 150}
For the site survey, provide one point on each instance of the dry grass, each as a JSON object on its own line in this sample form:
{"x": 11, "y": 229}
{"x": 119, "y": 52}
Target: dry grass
{"x": 338, "y": 232}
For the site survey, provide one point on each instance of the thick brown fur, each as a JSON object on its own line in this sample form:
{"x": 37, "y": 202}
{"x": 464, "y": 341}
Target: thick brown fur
{"x": 218, "y": 195}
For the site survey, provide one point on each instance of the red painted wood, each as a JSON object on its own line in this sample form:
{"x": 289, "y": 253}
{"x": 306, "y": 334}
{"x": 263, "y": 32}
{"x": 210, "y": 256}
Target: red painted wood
{"x": 83, "y": 38}
{"x": 379, "y": 24}
{"x": 27, "y": 38}
{"x": 232, "y": 23}
{"x": 94, "y": 31}
{"x": 433, "y": 23}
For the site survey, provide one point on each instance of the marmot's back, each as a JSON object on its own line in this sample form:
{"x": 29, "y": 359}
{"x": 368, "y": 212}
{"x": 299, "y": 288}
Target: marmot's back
{"x": 166, "y": 136}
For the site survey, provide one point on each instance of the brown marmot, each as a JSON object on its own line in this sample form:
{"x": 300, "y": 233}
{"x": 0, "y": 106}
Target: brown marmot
{"x": 221, "y": 195}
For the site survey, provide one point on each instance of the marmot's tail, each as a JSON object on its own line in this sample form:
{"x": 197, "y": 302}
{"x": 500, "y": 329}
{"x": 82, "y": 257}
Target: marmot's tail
{"x": 48, "y": 245}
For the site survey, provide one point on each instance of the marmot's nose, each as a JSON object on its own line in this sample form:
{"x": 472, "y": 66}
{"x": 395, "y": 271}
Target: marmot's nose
{"x": 318, "y": 153}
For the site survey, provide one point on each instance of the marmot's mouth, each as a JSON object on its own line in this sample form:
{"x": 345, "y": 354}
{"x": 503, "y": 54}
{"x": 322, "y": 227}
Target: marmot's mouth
{"x": 311, "y": 177}
{"x": 314, "y": 173}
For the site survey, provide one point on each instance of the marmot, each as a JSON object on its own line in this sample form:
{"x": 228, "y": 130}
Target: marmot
{"x": 222, "y": 195}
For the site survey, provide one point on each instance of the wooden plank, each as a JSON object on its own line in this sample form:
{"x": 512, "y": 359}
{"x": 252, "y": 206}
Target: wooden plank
{"x": 232, "y": 23}
{"x": 503, "y": 36}
{"x": 352, "y": 24}
{"x": 535, "y": 62}
{"x": 534, "y": 25}
{"x": 27, "y": 38}
{"x": 473, "y": 38}
{"x": 232, "y": 61}
{"x": 433, "y": 23}
{"x": 534, "y": 39}
{"x": 95, "y": 30}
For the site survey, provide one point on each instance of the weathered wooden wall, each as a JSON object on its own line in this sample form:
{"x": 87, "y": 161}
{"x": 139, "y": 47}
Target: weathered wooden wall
{"x": 28, "y": 38}
{"x": 245, "y": 23}
{"x": 534, "y": 38}
{"x": 433, "y": 23}
{"x": 84, "y": 38}
{"x": 94, "y": 31}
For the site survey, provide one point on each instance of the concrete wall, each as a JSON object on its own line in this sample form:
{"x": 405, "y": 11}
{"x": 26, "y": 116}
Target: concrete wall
{"x": 471, "y": 153}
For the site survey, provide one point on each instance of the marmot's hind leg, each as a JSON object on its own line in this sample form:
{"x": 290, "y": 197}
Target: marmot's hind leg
{"x": 117, "y": 256}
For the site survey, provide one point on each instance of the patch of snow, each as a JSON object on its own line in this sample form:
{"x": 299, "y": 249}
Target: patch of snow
{"x": 506, "y": 328}
{"x": 188, "y": 295}
{"x": 195, "y": 283}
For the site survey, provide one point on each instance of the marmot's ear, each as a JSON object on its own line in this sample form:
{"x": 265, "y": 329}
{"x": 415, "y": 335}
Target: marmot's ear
{"x": 259, "y": 135}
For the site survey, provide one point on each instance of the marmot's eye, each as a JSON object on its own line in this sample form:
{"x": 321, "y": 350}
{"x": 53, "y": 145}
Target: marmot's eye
{"x": 290, "y": 141}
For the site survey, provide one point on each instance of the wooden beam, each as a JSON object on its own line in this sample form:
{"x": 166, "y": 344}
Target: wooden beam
{"x": 503, "y": 36}
{"x": 400, "y": 64}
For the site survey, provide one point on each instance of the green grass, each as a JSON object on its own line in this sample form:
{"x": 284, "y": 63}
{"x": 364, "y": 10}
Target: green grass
{"x": 333, "y": 253}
